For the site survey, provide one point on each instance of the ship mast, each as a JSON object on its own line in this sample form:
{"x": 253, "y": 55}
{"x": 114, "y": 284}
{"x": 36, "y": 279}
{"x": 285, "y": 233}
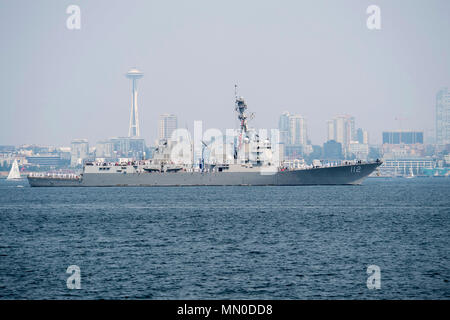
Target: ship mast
{"x": 240, "y": 107}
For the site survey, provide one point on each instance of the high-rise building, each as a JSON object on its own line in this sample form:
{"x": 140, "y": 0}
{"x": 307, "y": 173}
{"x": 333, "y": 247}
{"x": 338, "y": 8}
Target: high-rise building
{"x": 293, "y": 136}
{"x": 293, "y": 129}
{"x": 342, "y": 130}
{"x": 330, "y": 130}
{"x": 297, "y": 129}
{"x": 362, "y": 136}
{"x": 79, "y": 151}
{"x": 134, "y": 75}
{"x": 283, "y": 127}
{"x": 167, "y": 124}
{"x": 443, "y": 116}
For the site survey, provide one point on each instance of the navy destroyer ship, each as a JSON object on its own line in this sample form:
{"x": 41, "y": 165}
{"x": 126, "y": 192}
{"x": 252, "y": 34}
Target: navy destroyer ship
{"x": 251, "y": 164}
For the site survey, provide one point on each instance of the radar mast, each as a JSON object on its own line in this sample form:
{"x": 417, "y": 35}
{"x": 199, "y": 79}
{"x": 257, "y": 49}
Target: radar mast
{"x": 241, "y": 108}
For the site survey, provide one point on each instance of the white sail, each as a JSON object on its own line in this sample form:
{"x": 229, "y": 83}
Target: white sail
{"x": 14, "y": 174}
{"x": 411, "y": 174}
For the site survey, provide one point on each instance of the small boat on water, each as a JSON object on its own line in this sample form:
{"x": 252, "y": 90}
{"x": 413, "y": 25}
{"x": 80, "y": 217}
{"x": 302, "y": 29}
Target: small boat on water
{"x": 411, "y": 174}
{"x": 14, "y": 173}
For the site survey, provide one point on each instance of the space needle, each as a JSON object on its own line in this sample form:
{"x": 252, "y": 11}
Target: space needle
{"x": 134, "y": 75}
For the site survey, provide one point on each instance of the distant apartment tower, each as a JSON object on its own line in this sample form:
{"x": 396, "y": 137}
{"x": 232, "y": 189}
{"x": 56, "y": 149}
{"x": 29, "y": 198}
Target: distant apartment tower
{"x": 297, "y": 126}
{"x": 443, "y": 116}
{"x": 362, "y": 136}
{"x": 330, "y": 130}
{"x": 293, "y": 135}
{"x": 168, "y": 123}
{"x": 341, "y": 129}
{"x": 283, "y": 127}
{"x": 293, "y": 129}
{"x": 79, "y": 151}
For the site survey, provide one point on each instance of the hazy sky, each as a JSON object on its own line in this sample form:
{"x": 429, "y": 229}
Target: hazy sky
{"x": 315, "y": 58}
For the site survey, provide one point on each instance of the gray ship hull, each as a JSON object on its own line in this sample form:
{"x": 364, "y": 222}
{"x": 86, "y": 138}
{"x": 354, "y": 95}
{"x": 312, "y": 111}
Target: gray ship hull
{"x": 338, "y": 175}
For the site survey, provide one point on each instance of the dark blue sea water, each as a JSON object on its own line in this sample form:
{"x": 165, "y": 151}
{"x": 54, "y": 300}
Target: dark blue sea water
{"x": 227, "y": 242}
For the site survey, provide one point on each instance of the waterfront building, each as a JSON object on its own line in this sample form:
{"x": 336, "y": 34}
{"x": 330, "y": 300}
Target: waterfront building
{"x": 404, "y": 166}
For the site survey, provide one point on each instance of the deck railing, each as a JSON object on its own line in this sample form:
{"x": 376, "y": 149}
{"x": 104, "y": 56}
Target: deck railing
{"x": 70, "y": 176}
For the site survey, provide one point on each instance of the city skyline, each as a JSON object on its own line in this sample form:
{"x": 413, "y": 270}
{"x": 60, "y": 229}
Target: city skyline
{"x": 296, "y": 121}
{"x": 317, "y": 60}
{"x": 347, "y": 133}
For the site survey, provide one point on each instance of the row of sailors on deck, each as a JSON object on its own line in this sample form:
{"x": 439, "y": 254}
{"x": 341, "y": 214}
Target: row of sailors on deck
{"x": 112, "y": 164}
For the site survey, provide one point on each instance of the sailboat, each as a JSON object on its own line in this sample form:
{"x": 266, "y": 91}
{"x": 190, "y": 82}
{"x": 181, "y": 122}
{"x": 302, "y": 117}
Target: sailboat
{"x": 14, "y": 174}
{"x": 411, "y": 174}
